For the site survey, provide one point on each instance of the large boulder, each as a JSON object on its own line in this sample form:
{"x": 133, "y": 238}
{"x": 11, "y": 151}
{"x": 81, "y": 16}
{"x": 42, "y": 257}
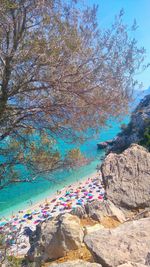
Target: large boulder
{"x": 128, "y": 242}
{"x": 132, "y": 264}
{"x": 79, "y": 211}
{"x": 98, "y": 210}
{"x": 54, "y": 238}
{"x": 127, "y": 177}
{"x": 77, "y": 263}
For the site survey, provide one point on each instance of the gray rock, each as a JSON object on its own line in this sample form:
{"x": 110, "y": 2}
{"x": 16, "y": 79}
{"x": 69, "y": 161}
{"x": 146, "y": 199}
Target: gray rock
{"x": 132, "y": 264}
{"x": 102, "y": 145}
{"x": 128, "y": 242}
{"x": 54, "y": 238}
{"x": 133, "y": 132}
{"x": 79, "y": 212}
{"x": 127, "y": 177}
{"x": 98, "y": 210}
{"x": 77, "y": 263}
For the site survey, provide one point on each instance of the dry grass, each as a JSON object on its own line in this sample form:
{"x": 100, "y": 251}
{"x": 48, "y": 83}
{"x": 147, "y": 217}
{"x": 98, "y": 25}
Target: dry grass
{"x": 87, "y": 222}
{"x": 110, "y": 222}
{"x": 82, "y": 254}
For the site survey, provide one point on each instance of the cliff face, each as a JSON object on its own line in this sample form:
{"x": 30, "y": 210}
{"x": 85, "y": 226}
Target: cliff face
{"x": 133, "y": 133}
{"x": 127, "y": 177}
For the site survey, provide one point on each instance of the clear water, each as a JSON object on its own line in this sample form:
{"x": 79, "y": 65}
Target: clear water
{"x": 18, "y": 196}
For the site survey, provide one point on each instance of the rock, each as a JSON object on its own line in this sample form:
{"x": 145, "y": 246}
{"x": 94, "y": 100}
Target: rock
{"x": 133, "y": 132}
{"x": 79, "y": 212}
{"x": 77, "y": 263}
{"x": 98, "y": 210}
{"x": 102, "y": 145}
{"x": 131, "y": 264}
{"x": 143, "y": 214}
{"x": 126, "y": 177}
{"x": 54, "y": 238}
{"x": 93, "y": 228}
{"x": 128, "y": 242}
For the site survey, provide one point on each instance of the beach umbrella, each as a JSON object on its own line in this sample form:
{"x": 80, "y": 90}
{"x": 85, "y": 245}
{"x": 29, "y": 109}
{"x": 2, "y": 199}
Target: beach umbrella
{"x": 26, "y": 215}
{"x": 2, "y": 224}
{"x": 61, "y": 198}
{"x": 89, "y": 194}
{"x": 83, "y": 190}
{"x": 16, "y": 219}
{"x": 37, "y": 221}
{"x": 79, "y": 203}
{"x": 67, "y": 193}
{"x": 22, "y": 221}
{"x": 30, "y": 217}
{"x": 15, "y": 223}
{"x": 53, "y": 200}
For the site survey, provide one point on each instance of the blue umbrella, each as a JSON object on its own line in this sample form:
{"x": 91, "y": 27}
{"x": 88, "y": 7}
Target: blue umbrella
{"x": 26, "y": 216}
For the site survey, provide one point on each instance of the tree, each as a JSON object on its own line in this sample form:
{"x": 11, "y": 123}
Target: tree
{"x": 59, "y": 76}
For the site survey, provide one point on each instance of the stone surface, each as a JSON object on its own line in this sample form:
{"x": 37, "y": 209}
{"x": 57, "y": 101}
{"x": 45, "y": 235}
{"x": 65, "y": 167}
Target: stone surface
{"x": 54, "y": 238}
{"x": 77, "y": 263}
{"x": 131, "y": 264}
{"x": 127, "y": 177}
{"x": 79, "y": 212}
{"x": 90, "y": 229}
{"x": 98, "y": 210}
{"x": 102, "y": 145}
{"x": 133, "y": 132}
{"x": 128, "y": 242}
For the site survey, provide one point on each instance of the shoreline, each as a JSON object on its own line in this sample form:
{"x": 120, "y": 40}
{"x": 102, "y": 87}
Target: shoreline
{"x": 43, "y": 199}
{"x": 69, "y": 198}
{"x": 50, "y": 198}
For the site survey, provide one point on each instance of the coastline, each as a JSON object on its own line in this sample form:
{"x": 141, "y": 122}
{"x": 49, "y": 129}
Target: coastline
{"x": 45, "y": 197}
{"x": 18, "y": 196}
{"x": 68, "y": 199}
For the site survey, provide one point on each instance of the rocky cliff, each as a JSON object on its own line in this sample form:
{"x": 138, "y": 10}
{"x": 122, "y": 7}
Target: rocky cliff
{"x": 133, "y": 133}
{"x": 114, "y": 232}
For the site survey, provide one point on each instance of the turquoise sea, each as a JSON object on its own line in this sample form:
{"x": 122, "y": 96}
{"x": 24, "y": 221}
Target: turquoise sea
{"x": 19, "y": 196}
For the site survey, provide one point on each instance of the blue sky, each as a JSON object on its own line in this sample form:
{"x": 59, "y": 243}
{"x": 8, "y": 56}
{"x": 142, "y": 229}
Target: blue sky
{"x": 134, "y": 9}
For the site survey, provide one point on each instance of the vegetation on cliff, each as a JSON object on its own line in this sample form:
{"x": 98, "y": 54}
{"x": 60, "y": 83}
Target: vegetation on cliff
{"x": 146, "y": 138}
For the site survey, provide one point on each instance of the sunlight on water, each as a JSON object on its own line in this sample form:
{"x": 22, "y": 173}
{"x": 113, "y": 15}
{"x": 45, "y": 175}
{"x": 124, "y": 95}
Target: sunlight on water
{"x": 18, "y": 196}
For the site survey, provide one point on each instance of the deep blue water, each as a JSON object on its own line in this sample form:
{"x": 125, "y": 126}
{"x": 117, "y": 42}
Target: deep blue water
{"x": 18, "y": 196}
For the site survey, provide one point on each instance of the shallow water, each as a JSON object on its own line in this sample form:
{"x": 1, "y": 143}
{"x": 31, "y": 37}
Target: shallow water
{"x": 19, "y": 196}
